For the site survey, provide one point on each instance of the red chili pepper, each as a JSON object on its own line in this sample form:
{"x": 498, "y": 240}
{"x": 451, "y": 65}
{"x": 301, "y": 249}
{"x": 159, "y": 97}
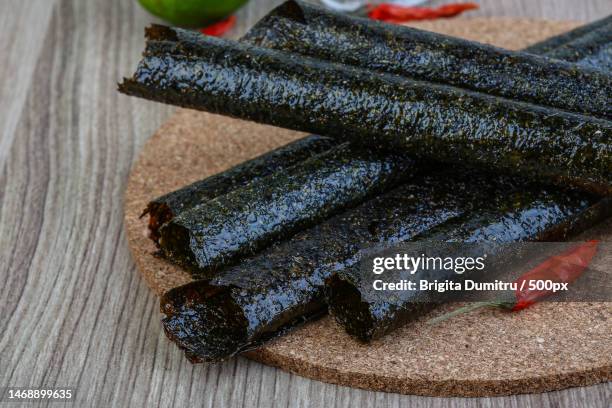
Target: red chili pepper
{"x": 392, "y": 13}
{"x": 219, "y": 28}
{"x": 563, "y": 268}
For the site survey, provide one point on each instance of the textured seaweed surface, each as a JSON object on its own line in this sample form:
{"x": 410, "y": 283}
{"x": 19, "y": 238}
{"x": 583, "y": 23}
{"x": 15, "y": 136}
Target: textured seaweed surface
{"x": 282, "y": 286}
{"x": 363, "y": 314}
{"x": 585, "y": 41}
{"x": 242, "y": 222}
{"x": 588, "y": 45}
{"x": 592, "y": 49}
{"x": 546, "y": 215}
{"x": 601, "y": 58}
{"x": 204, "y": 319}
{"x": 382, "y": 111}
{"x": 164, "y": 208}
{"x": 548, "y": 45}
{"x": 304, "y": 29}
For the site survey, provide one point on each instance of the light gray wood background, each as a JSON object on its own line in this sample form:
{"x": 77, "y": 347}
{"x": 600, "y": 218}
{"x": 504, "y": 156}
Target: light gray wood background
{"x": 73, "y": 310}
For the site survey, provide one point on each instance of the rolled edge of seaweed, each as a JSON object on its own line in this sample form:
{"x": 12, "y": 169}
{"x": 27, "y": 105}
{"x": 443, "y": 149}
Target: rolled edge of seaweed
{"x": 345, "y": 300}
{"x": 163, "y": 209}
{"x": 585, "y": 46}
{"x": 210, "y": 323}
{"x": 159, "y": 214}
{"x": 176, "y": 240}
{"x": 191, "y": 310}
{"x": 290, "y": 9}
{"x": 356, "y": 316}
{"x": 158, "y": 32}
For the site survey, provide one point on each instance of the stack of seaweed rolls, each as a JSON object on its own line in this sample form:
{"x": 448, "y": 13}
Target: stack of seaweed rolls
{"x": 275, "y": 241}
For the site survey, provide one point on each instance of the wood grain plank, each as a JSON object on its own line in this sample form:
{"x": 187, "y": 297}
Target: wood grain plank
{"x": 20, "y": 49}
{"x": 74, "y": 312}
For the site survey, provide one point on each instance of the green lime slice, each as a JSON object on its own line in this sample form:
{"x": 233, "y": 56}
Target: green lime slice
{"x": 192, "y": 13}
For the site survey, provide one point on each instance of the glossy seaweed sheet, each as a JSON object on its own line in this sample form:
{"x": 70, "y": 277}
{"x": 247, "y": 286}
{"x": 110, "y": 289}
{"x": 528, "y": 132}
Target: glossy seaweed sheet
{"x": 257, "y": 300}
{"x": 164, "y": 208}
{"x": 365, "y": 315}
{"x": 586, "y": 41}
{"x": 281, "y": 287}
{"x": 310, "y": 30}
{"x": 550, "y": 44}
{"x": 587, "y": 44}
{"x": 246, "y": 220}
{"x": 304, "y": 29}
{"x": 594, "y": 49}
{"x": 382, "y": 111}
{"x": 545, "y": 216}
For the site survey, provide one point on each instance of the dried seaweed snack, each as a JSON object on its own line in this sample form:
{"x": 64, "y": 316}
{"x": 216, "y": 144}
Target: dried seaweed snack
{"x": 162, "y": 40}
{"x": 282, "y": 287}
{"x": 549, "y": 45}
{"x": 593, "y": 49}
{"x": 543, "y": 215}
{"x": 382, "y": 111}
{"x": 589, "y": 45}
{"x": 240, "y": 223}
{"x": 306, "y": 29}
{"x": 303, "y": 29}
{"x": 205, "y": 335}
{"x": 164, "y": 208}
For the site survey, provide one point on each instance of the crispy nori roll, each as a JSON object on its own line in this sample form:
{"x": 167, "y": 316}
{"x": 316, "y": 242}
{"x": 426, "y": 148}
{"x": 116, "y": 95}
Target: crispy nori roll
{"x": 306, "y": 29}
{"x": 209, "y": 320}
{"x": 549, "y": 216}
{"x": 382, "y": 111}
{"x": 242, "y": 222}
{"x": 282, "y": 286}
{"x": 164, "y": 208}
{"x": 549, "y": 45}
{"x": 303, "y": 29}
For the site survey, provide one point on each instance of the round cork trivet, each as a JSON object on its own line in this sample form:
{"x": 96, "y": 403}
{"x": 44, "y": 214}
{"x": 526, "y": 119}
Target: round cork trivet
{"x": 547, "y": 347}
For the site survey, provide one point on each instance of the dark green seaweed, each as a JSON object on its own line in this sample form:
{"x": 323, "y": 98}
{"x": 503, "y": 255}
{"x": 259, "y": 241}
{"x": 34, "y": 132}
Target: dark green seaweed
{"x": 281, "y": 287}
{"x": 222, "y": 230}
{"x": 214, "y": 320}
{"x": 382, "y": 111}
{"x": 303, "y": 29}
{"x": 369, "y": 314}
{"x": 164, "y": 208}
{"x": 602, "y": 58}
{"x": 359, "y": 317}
{"x": 593, "y": 49}
{"x": 550, "y": 44}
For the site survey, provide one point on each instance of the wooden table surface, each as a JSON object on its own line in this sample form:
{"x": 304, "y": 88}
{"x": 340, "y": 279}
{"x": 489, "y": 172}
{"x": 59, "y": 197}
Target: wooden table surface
{"x": 73, "y": 310}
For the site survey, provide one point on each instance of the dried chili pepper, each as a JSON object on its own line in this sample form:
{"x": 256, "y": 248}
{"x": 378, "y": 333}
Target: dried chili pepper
{"x": 392, "y": 13}
{"x": 563, "y": 268}
{"x": 219, "y": 28}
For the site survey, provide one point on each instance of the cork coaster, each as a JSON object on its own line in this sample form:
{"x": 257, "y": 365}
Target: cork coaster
{"x": 547, "y": 347}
